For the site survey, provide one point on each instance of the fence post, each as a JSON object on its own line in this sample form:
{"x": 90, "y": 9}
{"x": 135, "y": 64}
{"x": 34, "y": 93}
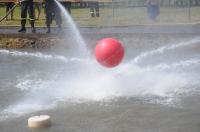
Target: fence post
{"x": 113, "y": 8}
{"x": 189, "y": 10}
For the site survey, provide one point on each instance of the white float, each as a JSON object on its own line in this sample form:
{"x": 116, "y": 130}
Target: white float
{"x": 39, "y": 121}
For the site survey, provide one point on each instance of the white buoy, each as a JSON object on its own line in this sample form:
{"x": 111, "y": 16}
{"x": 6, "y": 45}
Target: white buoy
{"x": 39, "y": 121}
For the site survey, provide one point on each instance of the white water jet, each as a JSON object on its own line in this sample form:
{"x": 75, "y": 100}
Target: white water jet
{"x": 161, "y": 50}
{"x": 39, "y": 55}
{"x": 130, "y": 69}
{"x": 76, "y": 33}
{"x": 36, "y": 55}
{"x": 180, "y": 64}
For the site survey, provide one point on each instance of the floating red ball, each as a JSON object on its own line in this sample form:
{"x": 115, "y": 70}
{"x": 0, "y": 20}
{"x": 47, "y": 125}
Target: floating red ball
{"x": 109, "y": 52}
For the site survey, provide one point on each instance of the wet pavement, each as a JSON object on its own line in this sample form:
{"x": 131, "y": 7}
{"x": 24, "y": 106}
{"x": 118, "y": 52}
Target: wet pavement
{"x": 190, "y": 28}
{"x": 34, "y": 83}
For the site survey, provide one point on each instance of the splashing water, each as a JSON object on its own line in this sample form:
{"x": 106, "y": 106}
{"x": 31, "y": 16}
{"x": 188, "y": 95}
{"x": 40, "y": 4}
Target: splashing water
{"x": 85, "y": 80}
{"x": 90, "y": 82}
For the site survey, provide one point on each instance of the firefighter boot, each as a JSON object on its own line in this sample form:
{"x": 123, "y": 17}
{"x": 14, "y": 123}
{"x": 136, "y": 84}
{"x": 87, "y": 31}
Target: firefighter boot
{"x": 48, "y": 30}
{"x": 33, "y": 27}
{"x": 22, "y": 30}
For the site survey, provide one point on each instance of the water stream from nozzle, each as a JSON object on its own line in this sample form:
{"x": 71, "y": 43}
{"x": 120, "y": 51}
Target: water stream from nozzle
{"x": 82, "y": 47}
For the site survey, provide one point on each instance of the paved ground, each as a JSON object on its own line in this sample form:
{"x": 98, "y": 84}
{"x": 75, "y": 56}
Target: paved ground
{"x": 126, "y": 29}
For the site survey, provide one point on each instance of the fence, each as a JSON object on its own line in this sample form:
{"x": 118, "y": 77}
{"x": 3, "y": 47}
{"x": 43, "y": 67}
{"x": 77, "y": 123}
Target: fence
{"x": 135, "y": 12}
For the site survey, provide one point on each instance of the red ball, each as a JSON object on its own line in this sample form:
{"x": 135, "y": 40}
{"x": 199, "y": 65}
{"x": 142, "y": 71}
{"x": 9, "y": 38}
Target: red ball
{"x": 109, "y": 52}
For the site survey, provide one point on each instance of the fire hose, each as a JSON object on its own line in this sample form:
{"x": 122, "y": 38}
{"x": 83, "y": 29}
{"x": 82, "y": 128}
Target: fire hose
{"x": 1, "y": 19}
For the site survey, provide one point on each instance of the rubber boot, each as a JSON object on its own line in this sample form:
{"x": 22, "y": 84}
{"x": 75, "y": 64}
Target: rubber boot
{"x": 33, "y": 27}
{"x": 48, "y": 30}
{"x": 23, "y": 29}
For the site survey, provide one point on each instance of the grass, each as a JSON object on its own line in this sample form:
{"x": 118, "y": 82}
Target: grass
{"x": 118, "y": 17}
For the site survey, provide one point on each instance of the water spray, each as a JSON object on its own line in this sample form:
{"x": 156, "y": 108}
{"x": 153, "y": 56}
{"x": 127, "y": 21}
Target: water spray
{"x": 82, "y": 47}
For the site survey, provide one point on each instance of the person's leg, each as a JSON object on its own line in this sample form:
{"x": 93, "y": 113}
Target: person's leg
{"x": 35, "y": 8}
{"x": 31, "y": 15}
{"x": 57, "y": 15}
{"x": 23, "y": 16}
{"x": 12, "y": 5}
{"x": 7, "y": 9}
{"x": 92, "y": 12}
{"x": 38, "y": 7}
{"x": 91, "y": 5}
{"x": 69, "y": 7}
{"x": 11, "y": 15}
{"x": 39, "y": 10}
{"x": 97, "y": 9}
{"x": 48, "y": 11}
{"x": 48, "y": 21}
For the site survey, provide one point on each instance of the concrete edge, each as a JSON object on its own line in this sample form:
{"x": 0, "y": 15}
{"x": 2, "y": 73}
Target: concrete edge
{"x": 115, "y": 26}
